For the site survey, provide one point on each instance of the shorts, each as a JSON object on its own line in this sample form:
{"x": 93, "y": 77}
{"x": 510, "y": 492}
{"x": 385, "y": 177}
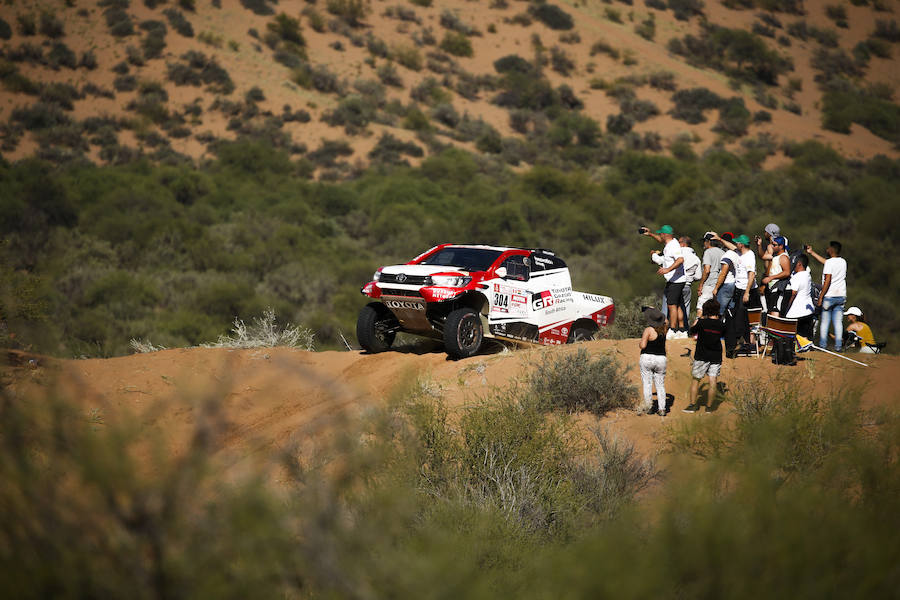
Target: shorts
{"x": 701, "y": 368}
{"x": 673, "y": 293}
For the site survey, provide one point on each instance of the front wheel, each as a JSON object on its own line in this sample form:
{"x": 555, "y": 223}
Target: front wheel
{"x": 376, "y": 328}
{"x": 463, "y": 333}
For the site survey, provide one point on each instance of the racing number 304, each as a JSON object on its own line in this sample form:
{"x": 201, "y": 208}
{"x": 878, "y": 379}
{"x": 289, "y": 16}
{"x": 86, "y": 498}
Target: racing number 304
{"x": 501, "y": 300}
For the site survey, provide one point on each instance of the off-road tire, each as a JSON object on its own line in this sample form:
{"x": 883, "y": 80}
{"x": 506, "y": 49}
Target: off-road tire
{"x": 463, "y": 333}
{"x": 371, "y": 328}
{"x": 582, "y": 334}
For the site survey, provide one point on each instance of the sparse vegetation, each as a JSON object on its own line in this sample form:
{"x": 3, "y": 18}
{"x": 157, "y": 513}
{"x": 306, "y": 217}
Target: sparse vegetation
{"x": 551, "y": 15}
{"x": 179, "y": 22}
{"x": 576, "y": 382}
{"x": 265, "y": 332}
{"x": 456, "y": 44}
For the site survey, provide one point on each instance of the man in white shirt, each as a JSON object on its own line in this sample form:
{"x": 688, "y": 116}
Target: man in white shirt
{"x": 712, "y": 258}
{"x": 671, "y": 262}
{"x": 692, "y": 273}
{"x": 801, "y": 303}
{"x": 833, "y": 294}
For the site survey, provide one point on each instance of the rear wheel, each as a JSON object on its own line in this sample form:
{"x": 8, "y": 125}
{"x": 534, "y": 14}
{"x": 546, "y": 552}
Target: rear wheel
{"x": 463, "y": 333}
{"x": 582, "y": 333}
{"x": 376, "y": 328}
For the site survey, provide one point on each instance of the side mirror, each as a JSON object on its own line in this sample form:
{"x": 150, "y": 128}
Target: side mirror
{"x": 500, "y": 272}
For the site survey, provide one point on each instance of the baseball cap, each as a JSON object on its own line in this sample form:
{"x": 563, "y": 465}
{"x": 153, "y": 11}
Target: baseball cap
{"x": 727, "y": 236}
{"x": 779, "y": 240}
{"x": 742, "y": 239}
{"x": 709, "y": 235}
{"x": 853, "y": 310}
{"x": 665, "y": 229}
{"x": 773, "y": 229}
{"x": 654, "y": 316}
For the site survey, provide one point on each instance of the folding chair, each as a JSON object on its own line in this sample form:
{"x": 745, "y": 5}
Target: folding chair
{"x": 754, "y": 316}
{"x": 780, "y": 328}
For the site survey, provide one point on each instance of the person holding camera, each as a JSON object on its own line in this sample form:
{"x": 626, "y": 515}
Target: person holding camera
{"x": 833, "y": 295}
{"x": 671, "y": 261}
{"x": 777, "y": 276}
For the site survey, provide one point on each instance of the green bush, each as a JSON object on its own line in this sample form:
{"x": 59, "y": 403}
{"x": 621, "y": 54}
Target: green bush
{"x": 118, "y": 21}
{"x": 352, "y": 12}
{"x": 259, "y": 7}
{"x": 5, "y": 30}
{"x": 50, "y": 25}
{"x": 456, "y": 44}
{"x": 551, "y": 15}
{"x": 576, "y": 382}
{"x": 690, "y": 104}
{"x": 178, "y": 22}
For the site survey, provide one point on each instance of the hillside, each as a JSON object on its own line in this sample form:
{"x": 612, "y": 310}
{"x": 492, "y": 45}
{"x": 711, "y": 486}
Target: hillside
{"x": 341, "y": 84}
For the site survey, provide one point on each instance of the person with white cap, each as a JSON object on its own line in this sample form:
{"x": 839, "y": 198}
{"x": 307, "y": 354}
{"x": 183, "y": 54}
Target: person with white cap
{"x": 860, "y": 329}
{"x": 767, "y": 253}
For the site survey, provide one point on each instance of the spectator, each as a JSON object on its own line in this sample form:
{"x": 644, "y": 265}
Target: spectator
{"x": 653, "y": 361}
{"x": 801, "y": 306}
{"x": 859, "y": 329}
{"x": 691, "y": 274}
{"x": 724, "y": 289}
{"x": 671, "y": 262}
{"x": 833, "y": 294}
{"x": 777, "y": 276}
{"x": 708, "y": 354}
{"x": 712, "y": 257}
{"x": 737, "y": 327}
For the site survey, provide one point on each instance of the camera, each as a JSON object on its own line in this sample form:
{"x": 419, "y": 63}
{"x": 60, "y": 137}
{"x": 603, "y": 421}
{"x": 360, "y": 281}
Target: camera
{"x": 642, "y": 230}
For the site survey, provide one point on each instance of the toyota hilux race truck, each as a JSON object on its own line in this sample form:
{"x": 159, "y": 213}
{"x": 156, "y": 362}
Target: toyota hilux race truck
{"x": 463, "y": 294}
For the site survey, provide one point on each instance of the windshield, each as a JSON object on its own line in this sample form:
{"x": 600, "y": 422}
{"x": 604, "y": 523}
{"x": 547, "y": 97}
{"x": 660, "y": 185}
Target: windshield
{"x": 467, "y": 259}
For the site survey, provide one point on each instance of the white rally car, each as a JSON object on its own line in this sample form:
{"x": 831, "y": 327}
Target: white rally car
{"x": 463, "y": 294}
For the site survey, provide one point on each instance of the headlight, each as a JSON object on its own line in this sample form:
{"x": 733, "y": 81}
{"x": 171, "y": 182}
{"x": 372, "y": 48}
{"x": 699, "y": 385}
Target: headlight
{"x": 450, "y": 280}
{"x": 377, "y": 275}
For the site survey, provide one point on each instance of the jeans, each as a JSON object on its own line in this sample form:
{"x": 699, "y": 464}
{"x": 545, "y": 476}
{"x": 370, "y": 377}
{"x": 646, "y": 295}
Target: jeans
{"x": 653, "y": 371}
{"x": 725, "y": 297}
{"x": 832, "y": 311}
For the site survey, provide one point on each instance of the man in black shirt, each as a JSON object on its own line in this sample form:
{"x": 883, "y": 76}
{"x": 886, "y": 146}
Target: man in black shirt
{"x": 708, "y": 354}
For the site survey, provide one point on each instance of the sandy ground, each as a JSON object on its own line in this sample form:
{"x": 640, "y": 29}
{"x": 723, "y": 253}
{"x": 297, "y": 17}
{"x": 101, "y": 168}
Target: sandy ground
{"x": 273, "y": 397}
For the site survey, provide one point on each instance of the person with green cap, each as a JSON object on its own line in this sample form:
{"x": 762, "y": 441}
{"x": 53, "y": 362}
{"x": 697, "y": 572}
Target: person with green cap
{"x": 745, "y": 294}
{"x": 671, "y": 262}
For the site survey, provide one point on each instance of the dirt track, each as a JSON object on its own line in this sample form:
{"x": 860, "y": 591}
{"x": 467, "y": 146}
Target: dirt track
{"x": 271, "y": 396}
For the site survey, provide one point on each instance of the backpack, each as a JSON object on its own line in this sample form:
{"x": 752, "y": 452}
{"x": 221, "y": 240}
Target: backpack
{"x": 783, "y": 352}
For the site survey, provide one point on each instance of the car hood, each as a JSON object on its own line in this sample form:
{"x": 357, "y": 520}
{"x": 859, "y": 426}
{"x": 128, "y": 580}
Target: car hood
{"x": 420, "y": 269}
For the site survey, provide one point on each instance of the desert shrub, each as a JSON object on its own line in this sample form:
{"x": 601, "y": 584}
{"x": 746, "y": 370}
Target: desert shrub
{"x": 327, "y": 154}
{"x": 388, "y": 75}
{"x": 125, "y": 83}
{"x": 865, "y": 49}
{"x": 639, "y": 110}
{"x": 51, "y": 25}
{"x": 118, "y": 21}
{"x": 838, "y": 14}
{"x": 656, "y": 4}
{"x": 199, "y": 69}
{"x": 429, "y": 91}
{"x": 561, "y": 62}
{"x": 450, "y": 20}
{"x": 663, "y": 80}
{"x": 61, "y": 55}
{"x": 792, "y": 106}
{"x": 354, "y": 113}
{"x": 446, "y": 114}
{"x": 456, "y": 44}
{"x": 134, "y": 56}
{"x": 39, "y": 116}
{"x": 5, "y": 29}
{"x": 571, "y": 37}
{"x": 351, "y": 12}
{"x": 27, "y": 24}
{"x": 377, "y": 46}
{"x": 88, "y": 60}
{"x": 408, "y": 56}
{"x": 619, "y": 124}
{"x": 647, "y": 28}
{"x": 153, "y": 45}
{"x": 402, "y": 13}
{"x": 736, "y": 52}
{"x": 734, "y": 118}
{"x": 14, "y": 81}
{"x": 602, "y": 47}
{"x": 840, "y": 108}
{"x": 513, "y": 63}
{"x": 391, "y": 151}
{"x": 836, "y": 63}
{"x": 762, "y": 116}
{"x": 551, "y": 15}
{"x": 121, "y": 68}
{"x": 26, "y": 52}
{"x": 315, "y": 19}
{"x": 287, "y": 29}
{"x": 613, "y": 14}
{"x": 188, "y": 5}
{"x": 254, "y": 94}
{"x": 67, "y": 136}
{"x": 266, "y": 332}
{"x": 763, "y": 30}
{"x": 685, "y": 9}
{"x": 259, "y": 7}
{"x": 178, "y": 22}
{"x": 887, "y": 30}
{"x": 576, "y": 382}
{"x": 61, "y": 94}
{"x": 93, "y": 89}
{"x": 691, "y": 103}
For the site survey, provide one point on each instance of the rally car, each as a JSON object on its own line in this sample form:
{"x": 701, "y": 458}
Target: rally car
{"x": 463, "y": 294}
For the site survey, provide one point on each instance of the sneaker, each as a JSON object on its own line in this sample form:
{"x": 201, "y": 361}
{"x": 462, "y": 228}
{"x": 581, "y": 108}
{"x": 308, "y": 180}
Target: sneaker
{"x": 670, "y": 334}
{"x": 681, "y": 335}
{"x": 663, "y": 412}
{"x": 652, "y": 410}
{"x": 690, "y": 408}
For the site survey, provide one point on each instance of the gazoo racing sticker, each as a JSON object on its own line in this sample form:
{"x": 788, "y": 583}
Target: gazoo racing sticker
{"x": 404, "y": 304}
{"x": 510, "y": 300}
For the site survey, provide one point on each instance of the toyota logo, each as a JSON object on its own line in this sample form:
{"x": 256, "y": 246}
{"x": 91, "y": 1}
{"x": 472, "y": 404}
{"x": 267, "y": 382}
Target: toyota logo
{"x": 401, "y": 278}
